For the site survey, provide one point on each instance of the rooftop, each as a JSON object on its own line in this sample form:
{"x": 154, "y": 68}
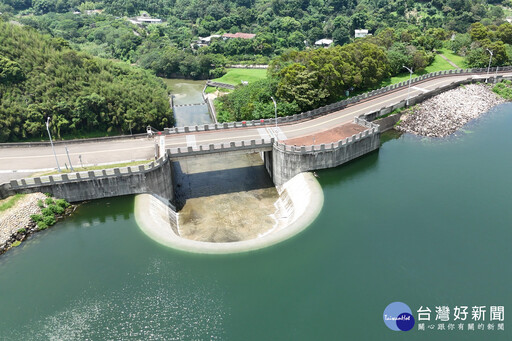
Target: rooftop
{"x": 239, "y": 35}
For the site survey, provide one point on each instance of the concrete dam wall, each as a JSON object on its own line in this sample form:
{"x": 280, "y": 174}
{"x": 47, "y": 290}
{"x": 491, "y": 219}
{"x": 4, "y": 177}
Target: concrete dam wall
{"x": 155, "y": 178}
{"x": 288, "y": 161}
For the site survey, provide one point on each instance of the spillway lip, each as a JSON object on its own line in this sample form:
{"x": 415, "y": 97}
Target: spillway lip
{"x": 309, "y": 207}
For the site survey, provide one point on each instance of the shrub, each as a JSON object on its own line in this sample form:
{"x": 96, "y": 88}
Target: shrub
{"x": 47, "y": 212}
{"x": 62, "y": 203}
{"x": 40, "y": 203}
{"x": 56, "y": 209}
{"x": 49, "y": 195}
{"x": 49, "y": 220}
{"x": 48, "y": 201}
{"x": 36, "y": 217}
{"x": 42, "y": 225}
{"x": 22, "y": 230}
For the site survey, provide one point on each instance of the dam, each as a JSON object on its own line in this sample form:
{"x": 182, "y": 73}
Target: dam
{"x": 282, "y": 161}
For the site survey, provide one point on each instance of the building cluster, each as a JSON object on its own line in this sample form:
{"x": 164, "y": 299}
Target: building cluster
{"x": 325, "y": 42}
{"x": 205, "y": 41}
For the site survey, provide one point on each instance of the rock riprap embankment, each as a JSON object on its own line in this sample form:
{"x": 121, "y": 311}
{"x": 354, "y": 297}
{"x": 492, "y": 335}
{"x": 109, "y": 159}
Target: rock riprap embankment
{"x": 18, "y": 217}
{"x": 443, "y": 114}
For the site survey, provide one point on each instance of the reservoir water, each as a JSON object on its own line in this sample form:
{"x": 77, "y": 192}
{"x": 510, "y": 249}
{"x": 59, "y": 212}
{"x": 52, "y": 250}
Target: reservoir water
{"x": 422, "y": 221}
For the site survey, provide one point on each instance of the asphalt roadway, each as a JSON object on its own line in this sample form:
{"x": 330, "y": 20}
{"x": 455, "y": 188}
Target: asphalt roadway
{"x": 18, "y": 162}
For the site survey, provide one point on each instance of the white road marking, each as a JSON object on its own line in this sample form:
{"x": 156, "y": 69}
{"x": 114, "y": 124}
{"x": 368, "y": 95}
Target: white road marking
{"x": 263, "y": 133}
{"x": 191, "y": 141}
{"x": 420, "y": 89}
{"x": 277, "y": 133}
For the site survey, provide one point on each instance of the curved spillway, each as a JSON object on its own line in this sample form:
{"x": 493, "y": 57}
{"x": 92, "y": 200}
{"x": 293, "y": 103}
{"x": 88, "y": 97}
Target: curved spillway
{"x": 301, "y": 200}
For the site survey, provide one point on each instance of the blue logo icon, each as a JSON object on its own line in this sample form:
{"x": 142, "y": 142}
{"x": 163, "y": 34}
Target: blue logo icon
{"x": 398, "y": 317}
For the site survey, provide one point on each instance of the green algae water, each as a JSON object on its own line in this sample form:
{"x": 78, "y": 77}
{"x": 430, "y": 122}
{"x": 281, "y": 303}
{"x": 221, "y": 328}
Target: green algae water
{"x": 423, "y": 221}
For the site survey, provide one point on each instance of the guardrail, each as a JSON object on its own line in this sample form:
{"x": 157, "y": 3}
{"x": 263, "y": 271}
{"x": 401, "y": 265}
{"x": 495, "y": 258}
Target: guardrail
{"x": 86, "y": 175}
{"x": 252, "y": 66}
{"x": 209, "y": 103}
{"x": 221, "y": 148}
{"x": 372, "y": 130}
{"x": 75, "y": 141}
{"x": 338, "y": 105}
{"x": 286, "y": 119}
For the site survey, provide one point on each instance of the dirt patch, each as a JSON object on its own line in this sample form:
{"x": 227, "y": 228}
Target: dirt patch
{"x": 327, "y": 136}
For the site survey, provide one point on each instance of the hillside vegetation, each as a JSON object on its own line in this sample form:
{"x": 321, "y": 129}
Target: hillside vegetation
{"x": 42, "y": 77}
{"x": 169, "y": 49}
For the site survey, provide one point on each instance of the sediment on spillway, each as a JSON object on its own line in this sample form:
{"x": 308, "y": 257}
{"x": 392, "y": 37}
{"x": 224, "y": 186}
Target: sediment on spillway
{"x": 300, "y": 201}
{"x": 445, "y": 113}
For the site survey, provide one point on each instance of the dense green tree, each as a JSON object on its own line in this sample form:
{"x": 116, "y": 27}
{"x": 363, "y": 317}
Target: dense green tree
{"x": 40, "y": 77}
{"x": 10, "y": 71}
{"x": 504, "y": 33}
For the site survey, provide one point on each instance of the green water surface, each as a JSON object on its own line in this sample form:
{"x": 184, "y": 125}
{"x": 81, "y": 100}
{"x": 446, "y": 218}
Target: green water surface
{"x": 422, "y": 221}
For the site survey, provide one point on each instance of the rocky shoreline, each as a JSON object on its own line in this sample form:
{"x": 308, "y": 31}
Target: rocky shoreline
{"x": 16, "y": 224}
{"x": 445, "y": 113}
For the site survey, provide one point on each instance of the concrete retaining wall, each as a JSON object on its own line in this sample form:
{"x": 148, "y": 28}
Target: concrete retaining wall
{"x": 388, "y": 122}
{"x": 220, "y": 85}
{"x": 288, "y": 161}
{"x": 155, "y": 178}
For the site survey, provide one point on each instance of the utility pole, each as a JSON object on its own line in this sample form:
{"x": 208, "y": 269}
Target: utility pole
{"x": 70, "y": 165}
{"x": 51, "y": 142}
{"x": 275, "y": 109}
{"x": 489, "y": 67}
{"x": 410, "y": 79}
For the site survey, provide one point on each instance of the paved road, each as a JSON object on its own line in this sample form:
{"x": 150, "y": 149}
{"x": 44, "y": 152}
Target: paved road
{"x": 22, "y": 161}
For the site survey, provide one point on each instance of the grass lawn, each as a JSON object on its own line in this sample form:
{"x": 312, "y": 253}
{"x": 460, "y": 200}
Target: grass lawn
{"x": 235, "y": 76}
{"x": 10, "y": 202}
{"x": 439, "y": 64}
{"x": 460, "y": 61}
{"x": 80, "y": 169}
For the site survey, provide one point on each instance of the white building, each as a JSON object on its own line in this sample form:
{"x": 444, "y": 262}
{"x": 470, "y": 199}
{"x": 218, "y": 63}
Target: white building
{"x": 360, "y": 33}
{"x": 145, "y": 19}
{"x": 324, "y": 42}
{"x": 209, "y": 39}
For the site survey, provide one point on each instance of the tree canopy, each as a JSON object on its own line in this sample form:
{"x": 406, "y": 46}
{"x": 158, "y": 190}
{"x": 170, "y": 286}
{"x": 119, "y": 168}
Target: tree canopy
{"x": 42, "y": 77}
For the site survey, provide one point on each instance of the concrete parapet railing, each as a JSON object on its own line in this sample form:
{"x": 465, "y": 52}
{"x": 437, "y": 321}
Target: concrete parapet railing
{"x": 262, "y": 144}
{"x": 370, "y": 116}
{"x": 372, "y": 130}
{"x": 86, "y": 175}
{"x": 335, "y": 106}
{"x": 220, "y": 85}
{"x": 253, "y": 66}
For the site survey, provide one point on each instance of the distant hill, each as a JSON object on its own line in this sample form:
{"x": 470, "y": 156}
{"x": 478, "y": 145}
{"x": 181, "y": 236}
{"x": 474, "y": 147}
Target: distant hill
{"x": 42, "y": 77}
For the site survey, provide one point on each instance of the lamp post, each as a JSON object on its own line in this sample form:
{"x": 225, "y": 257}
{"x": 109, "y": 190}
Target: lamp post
{"x": 275, "y": 108}
{"x": 489, "y": 67}
{"x": 410, "y": 79}
{"x": 51, "y": 142}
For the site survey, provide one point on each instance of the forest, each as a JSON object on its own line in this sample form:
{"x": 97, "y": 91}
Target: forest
{"x": 42, "y": 77}
{"x": 280, "y": 26}
{"x": 300, "y": 77}
{"x": 304, "y": 80}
